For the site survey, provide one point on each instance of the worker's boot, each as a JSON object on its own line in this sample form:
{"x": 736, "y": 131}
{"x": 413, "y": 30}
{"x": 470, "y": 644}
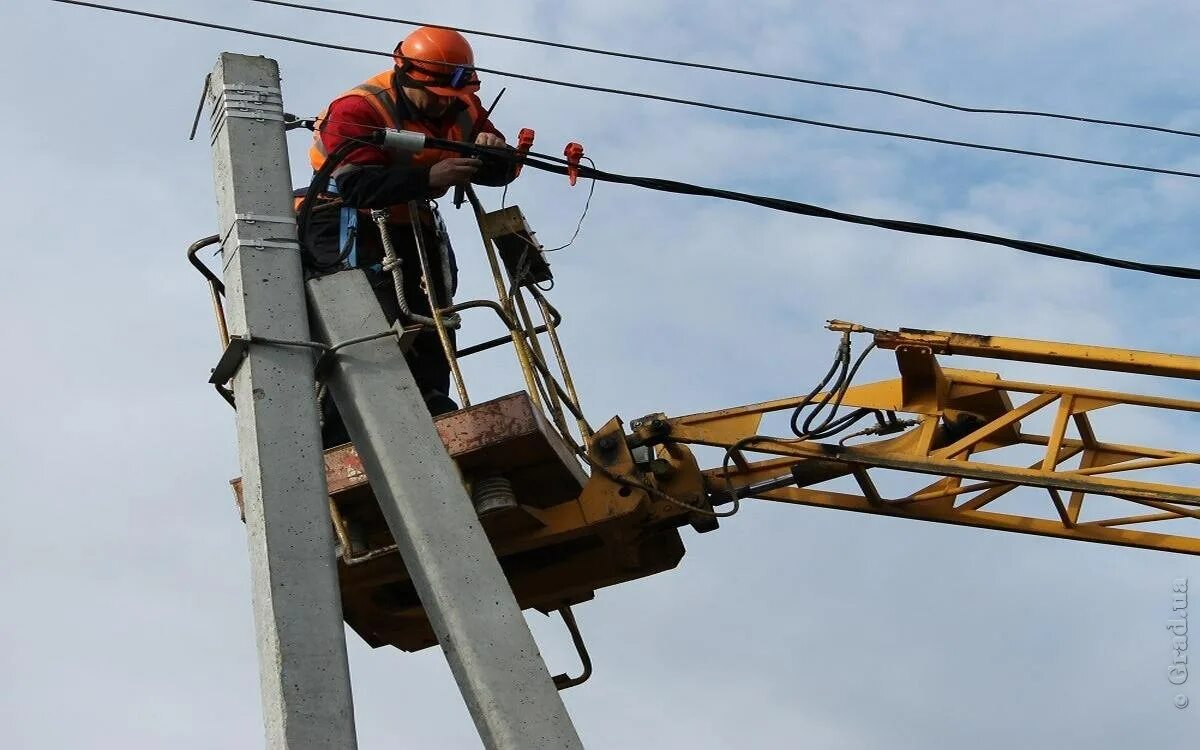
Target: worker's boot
{"x": 439, "y": 403}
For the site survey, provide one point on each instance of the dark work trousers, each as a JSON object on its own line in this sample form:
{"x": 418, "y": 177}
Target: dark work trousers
{"x": 426, "y": 359}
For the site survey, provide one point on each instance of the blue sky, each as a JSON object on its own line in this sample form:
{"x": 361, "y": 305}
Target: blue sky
{"x": 127, "y": 589}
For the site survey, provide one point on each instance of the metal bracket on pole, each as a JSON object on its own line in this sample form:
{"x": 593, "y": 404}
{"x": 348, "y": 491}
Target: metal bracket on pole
{"x": 305, "y": 678}
{"x": 487, "y": 642}
{"x": 227, "y": 366}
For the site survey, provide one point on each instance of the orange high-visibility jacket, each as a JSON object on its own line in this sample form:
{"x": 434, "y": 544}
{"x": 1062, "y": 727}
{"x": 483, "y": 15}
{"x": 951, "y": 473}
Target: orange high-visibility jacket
{"x": 361, "y": 111}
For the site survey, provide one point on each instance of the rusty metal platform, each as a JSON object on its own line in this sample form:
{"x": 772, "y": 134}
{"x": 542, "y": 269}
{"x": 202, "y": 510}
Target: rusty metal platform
{"x": 555, "y": 546}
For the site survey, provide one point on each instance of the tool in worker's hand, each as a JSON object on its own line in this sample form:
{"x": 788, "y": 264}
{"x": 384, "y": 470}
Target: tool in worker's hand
{"x": 573, "y": 152}
{"x": 460, "y": 192}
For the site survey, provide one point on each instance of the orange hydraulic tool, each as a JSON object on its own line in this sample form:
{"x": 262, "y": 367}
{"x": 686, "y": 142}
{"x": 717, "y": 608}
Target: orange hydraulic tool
{"x": 573, "y": 152}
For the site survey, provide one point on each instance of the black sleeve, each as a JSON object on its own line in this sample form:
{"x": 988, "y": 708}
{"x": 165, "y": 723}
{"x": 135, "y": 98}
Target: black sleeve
{"x": 381, "y": 187}
{"x": 495, "y": 172}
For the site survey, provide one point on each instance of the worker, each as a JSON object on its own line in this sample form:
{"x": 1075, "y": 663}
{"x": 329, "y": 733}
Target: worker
{"x": 431, "y": 90}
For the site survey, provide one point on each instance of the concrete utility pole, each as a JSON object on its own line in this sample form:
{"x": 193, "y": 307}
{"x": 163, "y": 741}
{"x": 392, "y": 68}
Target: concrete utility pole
{"x": 297, "y": 606}
{"x": 478, "y": 623}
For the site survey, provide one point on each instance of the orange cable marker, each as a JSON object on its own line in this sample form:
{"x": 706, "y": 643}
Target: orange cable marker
{"x": 573, "y": 152}
{"x": 524, "y": 143}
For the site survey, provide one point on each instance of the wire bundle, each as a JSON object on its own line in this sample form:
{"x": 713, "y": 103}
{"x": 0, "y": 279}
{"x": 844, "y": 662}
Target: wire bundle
{"x": 552, "y": 164}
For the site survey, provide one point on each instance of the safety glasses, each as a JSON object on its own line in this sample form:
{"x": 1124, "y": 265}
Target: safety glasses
{"x": 462, "y": 76}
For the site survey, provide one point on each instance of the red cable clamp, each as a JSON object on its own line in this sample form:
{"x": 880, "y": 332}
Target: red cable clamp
{"x": 573, "y": 152}
{"x": 524, "y": 143}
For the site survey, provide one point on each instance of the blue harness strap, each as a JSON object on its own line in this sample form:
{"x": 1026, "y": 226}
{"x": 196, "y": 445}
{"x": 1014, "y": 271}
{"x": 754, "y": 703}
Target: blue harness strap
{"x": 347, "y": 229}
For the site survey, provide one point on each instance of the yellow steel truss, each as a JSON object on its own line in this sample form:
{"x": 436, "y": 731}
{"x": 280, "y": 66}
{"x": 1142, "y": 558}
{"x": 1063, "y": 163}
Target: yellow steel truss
{"x": 961, "y": 420}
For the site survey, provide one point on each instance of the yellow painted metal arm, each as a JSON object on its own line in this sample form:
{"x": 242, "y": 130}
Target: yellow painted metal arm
{"x": 962, "y": 421}
{"x": 1031, "y": 350}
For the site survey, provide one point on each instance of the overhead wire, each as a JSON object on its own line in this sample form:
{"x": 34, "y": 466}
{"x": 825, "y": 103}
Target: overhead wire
{"x": 737, "y": 71}
{"x": 558, "y": 165}
{"x": 660, "y": 97}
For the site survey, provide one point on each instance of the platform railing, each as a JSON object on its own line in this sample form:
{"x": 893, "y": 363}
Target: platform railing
{"x": 521, "y": 307}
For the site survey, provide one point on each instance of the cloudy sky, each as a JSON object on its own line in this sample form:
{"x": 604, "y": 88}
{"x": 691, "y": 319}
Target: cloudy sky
{"x": 127, "y": 618}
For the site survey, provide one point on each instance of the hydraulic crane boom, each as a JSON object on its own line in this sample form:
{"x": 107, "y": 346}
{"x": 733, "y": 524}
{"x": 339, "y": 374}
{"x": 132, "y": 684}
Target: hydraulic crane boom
{"x": 960, "y": 420}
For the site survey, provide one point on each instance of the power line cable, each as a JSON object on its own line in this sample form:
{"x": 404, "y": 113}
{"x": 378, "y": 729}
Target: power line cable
{"x": 221, "y": 27}
{"x": 655, "y": 97}
{"x": 738, "y": 71}
{"x": 837, "y": 126}
{"x": 558, "y": 166}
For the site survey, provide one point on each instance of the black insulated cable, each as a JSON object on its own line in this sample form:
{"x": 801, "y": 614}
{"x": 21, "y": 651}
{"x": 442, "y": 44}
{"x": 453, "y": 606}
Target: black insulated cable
{"x": 829, "y": 426}
{"x": 558, "y": 165}
{"x": 548, "y": 164}
{"x": 833, "y": 125}
{"x": 659, "y": 97}
{"x": 738, "y": 71}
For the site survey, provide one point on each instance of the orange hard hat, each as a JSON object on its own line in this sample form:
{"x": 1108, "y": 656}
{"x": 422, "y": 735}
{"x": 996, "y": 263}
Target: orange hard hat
{"x": 437, "y": 60}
